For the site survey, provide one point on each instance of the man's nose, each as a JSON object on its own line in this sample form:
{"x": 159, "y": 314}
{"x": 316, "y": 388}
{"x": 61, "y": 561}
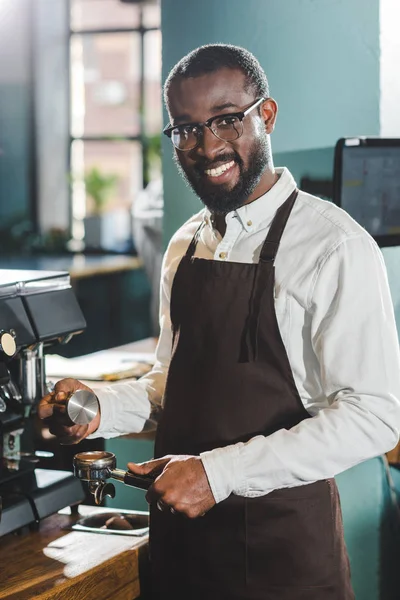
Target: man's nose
{"x": 210, "y": 145}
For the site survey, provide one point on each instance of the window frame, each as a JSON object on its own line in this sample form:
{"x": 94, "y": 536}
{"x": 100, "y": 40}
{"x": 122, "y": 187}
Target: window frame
{"x": 142, "y": 138}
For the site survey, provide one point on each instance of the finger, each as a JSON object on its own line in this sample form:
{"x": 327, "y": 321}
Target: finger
{"x": 46, "y": 406}
{"x": 59, "y": 417}
{"x": 61, "y": 396}
{"x": 69, "y": 440}
{"x": 61, "y": 392}
{"x": 72, "y": 435}
{"x": 68, "y": 386}
{"x": 152, "y": 495}
{"x": 49, "y": 402}
{"x": 58, "y": 426}
{"x": 161, "y": 505}
{"x": 157, "y": 465}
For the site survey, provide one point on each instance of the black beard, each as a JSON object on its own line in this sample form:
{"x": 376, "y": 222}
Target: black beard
{"x": 221, "y": 201}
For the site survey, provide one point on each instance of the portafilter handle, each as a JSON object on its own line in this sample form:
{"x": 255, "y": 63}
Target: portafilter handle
{"x": 142, "y": 482}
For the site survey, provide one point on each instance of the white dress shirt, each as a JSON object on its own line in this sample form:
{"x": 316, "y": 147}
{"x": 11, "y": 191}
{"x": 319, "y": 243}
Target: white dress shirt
{"x": 336, "y": 320}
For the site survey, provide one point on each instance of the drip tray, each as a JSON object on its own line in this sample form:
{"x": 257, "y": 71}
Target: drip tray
{"x": 116, "y": 522}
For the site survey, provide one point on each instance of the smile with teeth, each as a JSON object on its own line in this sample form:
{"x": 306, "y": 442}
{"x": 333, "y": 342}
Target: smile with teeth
{"x": 219, "y": 170}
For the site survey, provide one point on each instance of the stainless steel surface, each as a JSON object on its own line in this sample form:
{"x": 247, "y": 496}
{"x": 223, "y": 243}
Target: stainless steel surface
{"x": 30, "y": 385}
{"x": 125, "y": 522}
{"x": 118, "y": 474}
{"x": 82, "y": 407}
{"x": 102, "y": 490}
{"x": 94, "y": 466}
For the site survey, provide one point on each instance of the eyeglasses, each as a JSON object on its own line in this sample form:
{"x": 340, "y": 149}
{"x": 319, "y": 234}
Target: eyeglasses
{"x": 228, "y": 127}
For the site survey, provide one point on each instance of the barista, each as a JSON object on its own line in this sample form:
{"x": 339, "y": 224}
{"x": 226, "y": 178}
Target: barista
{"x": 277, "y": 366}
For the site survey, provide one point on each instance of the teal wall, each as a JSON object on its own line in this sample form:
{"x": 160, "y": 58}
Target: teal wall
{"x": 316, "y": 163}
{"x": 15, "y": 108}
{"x": 14, "y": 152}
{"x": 129, "y": 450}
{"x": 392, "y": 261}
{"x": 322, "y": 61}
{"x": 319, "y": 164}
{"x": 321, "y": 58}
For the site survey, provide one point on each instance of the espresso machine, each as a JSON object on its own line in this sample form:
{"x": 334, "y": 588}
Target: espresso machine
{"x": 38, "y": 309}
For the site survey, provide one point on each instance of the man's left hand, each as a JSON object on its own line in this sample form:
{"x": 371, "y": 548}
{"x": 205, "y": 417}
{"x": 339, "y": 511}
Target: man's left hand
{"x": 181, "y": 487}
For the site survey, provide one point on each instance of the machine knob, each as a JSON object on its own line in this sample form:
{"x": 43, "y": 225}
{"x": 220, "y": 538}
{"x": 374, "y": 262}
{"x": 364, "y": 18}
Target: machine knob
{"x": 8, "y": 347}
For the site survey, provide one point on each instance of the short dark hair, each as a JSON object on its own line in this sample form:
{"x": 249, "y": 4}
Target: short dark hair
{"x": 211, "y": 58}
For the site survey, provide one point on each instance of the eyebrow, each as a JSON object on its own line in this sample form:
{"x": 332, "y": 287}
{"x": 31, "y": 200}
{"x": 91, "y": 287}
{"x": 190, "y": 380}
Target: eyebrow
{"x": 225, "y": 105}
{"x": 217, "y": 108}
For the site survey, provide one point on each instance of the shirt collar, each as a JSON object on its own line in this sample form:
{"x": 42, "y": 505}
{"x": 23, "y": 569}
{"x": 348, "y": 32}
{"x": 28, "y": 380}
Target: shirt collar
{"x": 252, "y": 215}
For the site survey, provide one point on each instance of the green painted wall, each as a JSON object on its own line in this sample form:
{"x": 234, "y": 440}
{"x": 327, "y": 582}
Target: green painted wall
{"x": 128, "y": 450}
{"x": 322, "y": 61}
{"x": 15, "y": 111}
{"x": 321, "y": 58}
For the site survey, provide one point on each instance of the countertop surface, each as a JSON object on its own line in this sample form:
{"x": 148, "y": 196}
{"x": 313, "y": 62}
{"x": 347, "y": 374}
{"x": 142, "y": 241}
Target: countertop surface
{"x": 77, "y": 265}
{"x": 55, "y": 563}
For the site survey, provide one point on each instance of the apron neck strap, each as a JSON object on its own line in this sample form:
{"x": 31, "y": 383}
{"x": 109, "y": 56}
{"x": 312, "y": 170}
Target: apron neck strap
{"x": 272, "y": 241}
{"x": 192, "y": 246}
{"x": 265, "y": 270}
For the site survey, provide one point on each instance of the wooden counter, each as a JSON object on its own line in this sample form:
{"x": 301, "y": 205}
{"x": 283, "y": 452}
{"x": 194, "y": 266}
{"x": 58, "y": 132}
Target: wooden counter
{"x": 55, "y": 564}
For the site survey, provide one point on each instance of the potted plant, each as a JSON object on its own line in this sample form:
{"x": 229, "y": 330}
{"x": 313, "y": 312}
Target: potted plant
{"x": 152, "y": 157}
{"x": 99, "y": 188}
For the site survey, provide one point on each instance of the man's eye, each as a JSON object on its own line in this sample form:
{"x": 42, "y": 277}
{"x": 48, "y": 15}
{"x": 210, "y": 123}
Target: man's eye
{"x": 226, "y": 121}
{"x": 188, "y": 130}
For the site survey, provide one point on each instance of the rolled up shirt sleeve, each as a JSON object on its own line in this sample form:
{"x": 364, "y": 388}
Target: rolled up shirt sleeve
{"x": 136, "y": 406}
{"x": 354, "y": 340}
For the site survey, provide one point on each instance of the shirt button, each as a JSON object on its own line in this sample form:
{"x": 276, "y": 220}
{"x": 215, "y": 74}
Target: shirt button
{"x": 249, "y": 223}
{"x": 222, "y": 255}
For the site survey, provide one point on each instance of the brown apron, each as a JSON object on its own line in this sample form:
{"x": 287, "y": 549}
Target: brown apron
{"x": 230, "y": 380}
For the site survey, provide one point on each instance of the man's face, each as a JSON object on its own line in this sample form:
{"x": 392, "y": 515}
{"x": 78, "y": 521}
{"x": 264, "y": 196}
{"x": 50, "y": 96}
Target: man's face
{"x": 242, "y": 177}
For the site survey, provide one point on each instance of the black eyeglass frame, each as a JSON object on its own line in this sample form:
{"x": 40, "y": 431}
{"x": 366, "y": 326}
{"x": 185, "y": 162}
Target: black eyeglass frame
{"x": 240, "y": 115}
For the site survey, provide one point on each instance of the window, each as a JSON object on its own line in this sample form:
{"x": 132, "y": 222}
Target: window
{"x": 115, "y": 100}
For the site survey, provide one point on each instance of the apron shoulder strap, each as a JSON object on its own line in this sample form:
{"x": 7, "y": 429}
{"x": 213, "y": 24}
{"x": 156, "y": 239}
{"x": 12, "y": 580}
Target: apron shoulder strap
{"x": 192, "y": 246}
{"x": 264, "y": 271}
{"x": 272, "y": 241}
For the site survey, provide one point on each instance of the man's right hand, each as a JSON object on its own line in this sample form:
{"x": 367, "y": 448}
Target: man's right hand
{"x": 52, "y": 409}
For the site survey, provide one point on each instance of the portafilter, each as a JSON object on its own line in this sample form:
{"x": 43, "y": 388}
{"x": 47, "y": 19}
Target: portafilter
{"x": 98, "y": 466}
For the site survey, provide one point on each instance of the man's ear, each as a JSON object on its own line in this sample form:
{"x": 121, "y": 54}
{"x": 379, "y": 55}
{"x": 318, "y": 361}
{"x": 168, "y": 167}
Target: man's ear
{"x": 269, "y": 111}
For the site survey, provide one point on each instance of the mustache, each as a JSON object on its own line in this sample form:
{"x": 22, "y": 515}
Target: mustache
{"x": 201, "y": 165}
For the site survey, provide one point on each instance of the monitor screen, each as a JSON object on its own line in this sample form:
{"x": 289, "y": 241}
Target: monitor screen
{"x": 367, "y": 185}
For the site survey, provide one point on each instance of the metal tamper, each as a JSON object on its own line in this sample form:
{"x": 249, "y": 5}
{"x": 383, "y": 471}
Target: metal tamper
{"x": 82, "y": 407}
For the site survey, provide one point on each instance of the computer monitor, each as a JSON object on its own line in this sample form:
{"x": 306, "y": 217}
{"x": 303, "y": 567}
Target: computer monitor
{"x": 366, "y": 184}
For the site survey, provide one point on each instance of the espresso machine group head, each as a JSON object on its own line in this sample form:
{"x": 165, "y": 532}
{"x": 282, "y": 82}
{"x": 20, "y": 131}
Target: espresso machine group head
{"x": 37, "y": 309}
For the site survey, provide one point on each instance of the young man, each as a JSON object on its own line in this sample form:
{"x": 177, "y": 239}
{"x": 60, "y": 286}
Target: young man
{"x": 277, "y": 366}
